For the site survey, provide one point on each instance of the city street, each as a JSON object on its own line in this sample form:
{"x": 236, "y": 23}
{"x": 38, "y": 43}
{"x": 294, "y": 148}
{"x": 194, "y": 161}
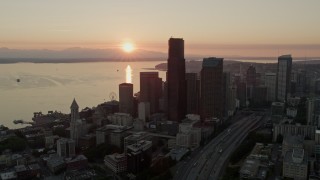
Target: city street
{"x": 209, "y": 162}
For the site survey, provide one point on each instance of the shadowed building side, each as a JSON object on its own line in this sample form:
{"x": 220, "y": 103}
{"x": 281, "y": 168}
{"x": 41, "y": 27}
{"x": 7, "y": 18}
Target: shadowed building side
{"x": 151, "y": 89}
{"x": 126, "y": 98}
{"x": 176, "y": 80}
{"x": 283, "y": 77}
{"x": 212, "y": 104}
{"x": 192, "y": 93}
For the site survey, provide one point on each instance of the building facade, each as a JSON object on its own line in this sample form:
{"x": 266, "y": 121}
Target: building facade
{"x": 116, "y": 162}
{"x": 295, "y": 164}
{"x": 313, "y": 111}
{"x": 176, "y": 80}
{"x": 151, "y": 89}
{"x": 193, "y": 94}
{"x": 212, "y": 102}
{"x": 66, "y": 147}
{"x": 139, "y": 156}
{"x": 302, "y": 130}
{"x": 126, "y": 98}
{"x": 283, "y": 77}
{"x": 270, "y": 83}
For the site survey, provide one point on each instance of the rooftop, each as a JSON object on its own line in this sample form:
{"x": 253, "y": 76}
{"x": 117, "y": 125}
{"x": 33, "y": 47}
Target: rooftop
{"x": 285, "y": 56}
{"x": 8, "y": 175}
{"x": 65, "y": 140}
{"x": 277, "y": 104}
{"x": 74, "y": 104}
{"x": 250, "y": 166}
{"x": 55, "y": 160}
{"x": 34, "y": 166}
{"x": 290, "y": 139}
{"x": 296, "y": 156}
{"x": 78, "y": 158}
{"x": 141, "y": 145}
{"x": 211, "y": 62}
{"x": 20, "y": 168}
{"x": 116, "y": 157}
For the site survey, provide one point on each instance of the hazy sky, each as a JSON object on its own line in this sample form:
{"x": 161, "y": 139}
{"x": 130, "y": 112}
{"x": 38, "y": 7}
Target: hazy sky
{"x": 244, "y": 27}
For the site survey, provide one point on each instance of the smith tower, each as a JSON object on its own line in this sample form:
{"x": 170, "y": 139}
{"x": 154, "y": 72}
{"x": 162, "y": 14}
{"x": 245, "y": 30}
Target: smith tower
{"x": 176, "y": 80}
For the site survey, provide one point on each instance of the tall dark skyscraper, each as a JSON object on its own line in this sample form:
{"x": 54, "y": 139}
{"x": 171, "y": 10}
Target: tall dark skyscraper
{"x": 126, "y": 98}
{"x": 192, "y": 93}
{"x": 251, "y": 79}
{"x": 251, "y": 76}
{"x": 150, "y": 89}
{"x": 283, "y": 77}
{"x": 176, "y": 80}
{"x": 212, "y": 104}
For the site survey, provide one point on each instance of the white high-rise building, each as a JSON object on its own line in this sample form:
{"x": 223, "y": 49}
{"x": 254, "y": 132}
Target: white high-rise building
{"x": 283, "y": 77}
{"x": 270, "y": 83}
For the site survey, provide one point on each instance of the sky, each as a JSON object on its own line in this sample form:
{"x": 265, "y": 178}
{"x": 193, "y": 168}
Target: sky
{"x": 209, "y": 27}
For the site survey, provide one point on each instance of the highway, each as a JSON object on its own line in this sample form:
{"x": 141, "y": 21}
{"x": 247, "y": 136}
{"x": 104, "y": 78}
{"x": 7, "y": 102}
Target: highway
{"x": 208, "y": 162}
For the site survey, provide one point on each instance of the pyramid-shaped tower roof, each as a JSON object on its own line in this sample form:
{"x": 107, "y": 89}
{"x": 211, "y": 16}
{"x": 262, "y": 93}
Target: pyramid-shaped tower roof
{"x": 74, "y": 104}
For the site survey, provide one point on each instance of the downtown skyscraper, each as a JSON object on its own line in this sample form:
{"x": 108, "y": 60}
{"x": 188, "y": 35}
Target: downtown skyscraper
{"x": 176, "y": 80}
{"x": 283, "y": 77}
{"x": 212, "y": 98}
{"x": 150, "y": 89}
{"x": 126, "y": 98}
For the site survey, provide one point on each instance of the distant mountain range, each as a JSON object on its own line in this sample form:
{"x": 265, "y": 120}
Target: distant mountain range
{"x": 76, "y": 54}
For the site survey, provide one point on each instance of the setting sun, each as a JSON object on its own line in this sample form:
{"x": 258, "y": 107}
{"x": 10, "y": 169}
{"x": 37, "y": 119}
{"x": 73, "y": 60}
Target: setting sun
{"x": 128, "y": 47}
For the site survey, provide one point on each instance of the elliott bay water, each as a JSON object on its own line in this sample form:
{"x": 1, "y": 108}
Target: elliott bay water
{"x": 49, "y": 87}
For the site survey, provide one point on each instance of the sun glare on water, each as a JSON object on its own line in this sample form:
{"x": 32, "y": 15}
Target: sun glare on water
{"x": 128, "y": 74}
{"x": 128, "y": 47}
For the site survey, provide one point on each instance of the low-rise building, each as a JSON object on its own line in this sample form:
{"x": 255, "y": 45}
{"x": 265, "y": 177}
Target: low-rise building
{"x": 121, "y": 119}
{"x": 51, "y": 140}
{"x": 292, "y": 112}
{"x": 249, "y": 168}
{"x": 189, "y": 136}
{"x": 8, "y": 175}
{"x": 135, "y": 138}
{"x": 55, "y": 163}
{"x": 295, "y": 164}
{"x": 21, "y": 171}
{"x": 116, "y": 162}
{"x": 112, "y": 134}
{"x": 139, "y": 156}
{"x": 87, "y": 141}
{"x": 294, "y": 129}
{"x": 34, "y": 170}
{"x": 66, "y": 147}
{"x": 291, "y": 142}
{"x": 79, "y": 162}
{"x": 261, "y": 151}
